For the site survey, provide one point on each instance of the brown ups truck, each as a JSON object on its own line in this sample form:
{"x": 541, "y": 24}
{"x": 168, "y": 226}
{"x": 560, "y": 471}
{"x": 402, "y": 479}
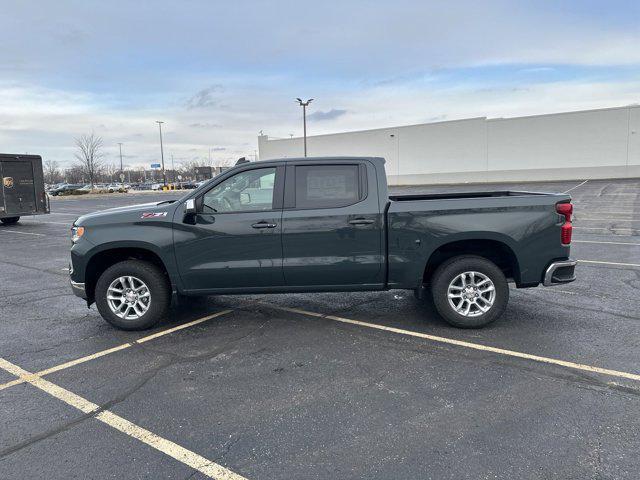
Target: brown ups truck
{"x": 22, "y": 189}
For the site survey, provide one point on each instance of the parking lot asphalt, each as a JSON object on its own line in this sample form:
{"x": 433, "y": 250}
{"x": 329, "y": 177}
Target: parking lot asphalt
{"x": 317, "y": 386}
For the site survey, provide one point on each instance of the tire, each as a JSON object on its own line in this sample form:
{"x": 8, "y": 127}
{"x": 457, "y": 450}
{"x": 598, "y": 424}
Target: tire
{"x": 449, "y": 278}
{"x": 10, "y": 220}
{"x": 145, "y": 273}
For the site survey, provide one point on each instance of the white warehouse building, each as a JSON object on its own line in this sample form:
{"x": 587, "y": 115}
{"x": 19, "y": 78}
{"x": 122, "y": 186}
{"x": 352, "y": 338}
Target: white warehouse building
{"x": 603, "y": 143}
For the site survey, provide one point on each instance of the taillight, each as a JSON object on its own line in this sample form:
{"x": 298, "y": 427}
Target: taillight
{"x": 565, "y": 209}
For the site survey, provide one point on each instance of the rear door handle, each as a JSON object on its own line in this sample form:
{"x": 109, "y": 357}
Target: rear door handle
{"x": 264, "y": 225}
{"x": 361, "y": 221}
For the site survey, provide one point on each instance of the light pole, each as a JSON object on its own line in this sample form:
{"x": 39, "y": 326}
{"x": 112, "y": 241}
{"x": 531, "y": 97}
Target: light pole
{"x": 164, "y": 175}
{"x": 121, "y": 170}
{"x": 304, "y": 106}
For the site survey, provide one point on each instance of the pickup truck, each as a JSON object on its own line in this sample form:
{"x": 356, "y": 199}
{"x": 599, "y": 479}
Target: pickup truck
{"x": 320, "y": 225}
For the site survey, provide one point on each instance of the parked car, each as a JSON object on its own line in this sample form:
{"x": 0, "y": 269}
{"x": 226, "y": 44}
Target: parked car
{"x": 21, "y": 188}
{"x": 156, "y": 186}
{"x": 326, "y": 225}
{"x": 66, "y": 189}
{"x": 117, "y": 187}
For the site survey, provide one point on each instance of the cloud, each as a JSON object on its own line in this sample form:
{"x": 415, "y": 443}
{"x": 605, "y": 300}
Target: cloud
{"x": 328, "y": 115}
{"x": 204, "y": 98}
{"x": 219, "y": 149}
{"x": 205, "y": 125}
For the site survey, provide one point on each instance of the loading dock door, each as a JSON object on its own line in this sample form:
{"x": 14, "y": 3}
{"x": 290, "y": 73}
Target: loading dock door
{"x": 17, "y": 187}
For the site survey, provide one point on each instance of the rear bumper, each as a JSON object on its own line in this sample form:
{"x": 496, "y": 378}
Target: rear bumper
{"x": 559, "y": 272}
{"x": 78, "y": 289}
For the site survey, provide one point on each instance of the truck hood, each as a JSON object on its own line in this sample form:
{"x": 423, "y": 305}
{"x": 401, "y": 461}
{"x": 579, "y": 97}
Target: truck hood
{"x": 128, "y": 213}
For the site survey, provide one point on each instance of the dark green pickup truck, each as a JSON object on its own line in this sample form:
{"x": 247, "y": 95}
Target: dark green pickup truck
{"x": 320, "y": 225}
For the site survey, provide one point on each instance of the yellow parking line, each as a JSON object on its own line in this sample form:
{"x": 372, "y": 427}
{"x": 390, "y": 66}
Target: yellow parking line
{"x": 178, "y": 452}
{"x": 102, "y": 353}
{"x": 465, "y": 344}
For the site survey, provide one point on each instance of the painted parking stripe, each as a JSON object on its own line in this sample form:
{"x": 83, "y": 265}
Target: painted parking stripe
{"x": 612, "y": 220}
{"x": 465, "y": 344}
{"x": 610, "y": 263}
{"x": 108, "y": 351}
{"x": 173, "y": 450}
{"x": 573, "y": 188}
{"x": 22, "y": 233}
{"x": 608, "y": 229}
{"x": 38, "y": 222}
{"x": 66, "y": 214}
{"x": 601, "y": 242}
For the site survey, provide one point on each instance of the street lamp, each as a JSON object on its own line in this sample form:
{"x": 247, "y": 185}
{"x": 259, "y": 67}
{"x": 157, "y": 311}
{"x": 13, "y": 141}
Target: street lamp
{"x": 304, "y": 106}
{"x": 121, "y": 169}
{"x": 164, "y": 175}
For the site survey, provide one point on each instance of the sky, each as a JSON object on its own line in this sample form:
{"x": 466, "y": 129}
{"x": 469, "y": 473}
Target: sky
{"x": 219, "y": 72}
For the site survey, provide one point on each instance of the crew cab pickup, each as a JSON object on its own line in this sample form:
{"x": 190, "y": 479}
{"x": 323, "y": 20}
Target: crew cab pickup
{"x": 320, "y": 225}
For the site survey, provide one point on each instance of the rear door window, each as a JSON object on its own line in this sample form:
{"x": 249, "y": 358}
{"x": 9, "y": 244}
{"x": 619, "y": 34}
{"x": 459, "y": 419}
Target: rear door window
{"x": 327, "y": 186}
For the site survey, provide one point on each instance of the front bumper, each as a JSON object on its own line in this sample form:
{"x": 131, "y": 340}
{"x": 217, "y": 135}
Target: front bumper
{"x": 78, "y": 289}
{"x": 559, "y": 272}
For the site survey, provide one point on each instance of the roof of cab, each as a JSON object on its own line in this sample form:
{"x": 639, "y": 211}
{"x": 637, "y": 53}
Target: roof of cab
{"x": 322, "y": 159}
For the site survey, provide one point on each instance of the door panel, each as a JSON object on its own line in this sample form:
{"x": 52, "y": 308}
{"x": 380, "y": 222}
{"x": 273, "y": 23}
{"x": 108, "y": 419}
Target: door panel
{"x": 236, "y": 239}
{"x": 333, "y": 245}
{"x": 226, "y": 251}
{"x": 18, "y": 187}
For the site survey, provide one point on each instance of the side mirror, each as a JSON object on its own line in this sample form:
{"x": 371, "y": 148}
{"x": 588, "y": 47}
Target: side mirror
{"x": 190, "y": 206}
{"x": 245, "y": 198}
{"x": 190, "y": 212}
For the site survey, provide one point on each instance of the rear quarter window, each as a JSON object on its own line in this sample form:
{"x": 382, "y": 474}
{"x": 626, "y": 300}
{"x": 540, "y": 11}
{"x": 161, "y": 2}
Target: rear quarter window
{"x": 327, "y": 186}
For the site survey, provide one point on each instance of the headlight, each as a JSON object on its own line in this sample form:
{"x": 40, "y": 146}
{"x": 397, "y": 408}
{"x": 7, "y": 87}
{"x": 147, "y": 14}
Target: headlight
{"x": 76, "y": 233}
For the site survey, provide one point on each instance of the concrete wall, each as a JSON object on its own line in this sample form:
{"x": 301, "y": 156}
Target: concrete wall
{"x": 575, "y": 145}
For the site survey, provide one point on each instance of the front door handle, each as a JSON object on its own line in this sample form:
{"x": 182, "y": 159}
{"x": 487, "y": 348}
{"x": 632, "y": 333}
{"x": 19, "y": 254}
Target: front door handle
{"x": 264, "y": 225}
{"x": 361, "y": 221}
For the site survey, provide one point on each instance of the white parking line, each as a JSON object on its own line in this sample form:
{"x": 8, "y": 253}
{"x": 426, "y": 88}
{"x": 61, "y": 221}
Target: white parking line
{"x": 465, "y": 344}
{"x": 173, "y": 450}
{"x": 597, "y": 212}
{"x": 573, "y": 188}
{"x": 37, "y": 222}
{"x": 610, "y": 263}
{"x": 611, "y": 243}
{"x": 607, "y": 228}
{"x": 102, "y": 353}
{"x": 22, "y": 233}
{"x": 612, "y": 220}
{"x": 66, "y": 214}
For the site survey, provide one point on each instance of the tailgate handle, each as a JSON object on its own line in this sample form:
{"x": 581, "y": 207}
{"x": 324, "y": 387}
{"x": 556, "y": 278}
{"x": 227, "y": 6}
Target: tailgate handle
{"x": 264, "y": 225}
{"x": 361, "y": 221}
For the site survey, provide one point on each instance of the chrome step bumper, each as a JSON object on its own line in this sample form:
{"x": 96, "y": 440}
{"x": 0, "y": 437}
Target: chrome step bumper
{"x": 560, "y": 272}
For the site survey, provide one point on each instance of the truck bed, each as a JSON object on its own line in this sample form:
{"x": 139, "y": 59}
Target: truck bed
{"x": 525, "y": 222}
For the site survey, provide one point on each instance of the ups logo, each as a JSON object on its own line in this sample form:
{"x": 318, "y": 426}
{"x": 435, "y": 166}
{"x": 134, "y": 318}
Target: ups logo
{"x": 7, "y": 182}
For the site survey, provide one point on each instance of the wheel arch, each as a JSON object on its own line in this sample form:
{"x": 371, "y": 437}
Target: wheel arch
{"x": 497, "y": 251}
{"x": 108, "y": 256}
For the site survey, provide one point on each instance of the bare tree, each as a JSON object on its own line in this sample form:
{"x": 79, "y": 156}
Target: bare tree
{"x": 51, "y": 172}
{"x": 75, "y": 174}
{"x": 89, "y": 154}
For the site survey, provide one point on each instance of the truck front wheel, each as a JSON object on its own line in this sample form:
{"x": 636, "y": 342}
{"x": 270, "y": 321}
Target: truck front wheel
{"x": 133, "y": 295}
{"x": 9, "y": 220}
{"x": 469, "y": 291}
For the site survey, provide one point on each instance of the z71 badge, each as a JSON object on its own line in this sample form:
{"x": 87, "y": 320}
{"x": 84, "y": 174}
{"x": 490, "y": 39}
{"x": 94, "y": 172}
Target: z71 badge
{"x": 153, "y": 214}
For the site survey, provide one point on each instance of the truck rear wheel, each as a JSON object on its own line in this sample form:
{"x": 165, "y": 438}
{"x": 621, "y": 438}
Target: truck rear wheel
{"x": 9, "y": 220}
{"x": 133, "y": 295}
{"x": 469, "y": 291}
